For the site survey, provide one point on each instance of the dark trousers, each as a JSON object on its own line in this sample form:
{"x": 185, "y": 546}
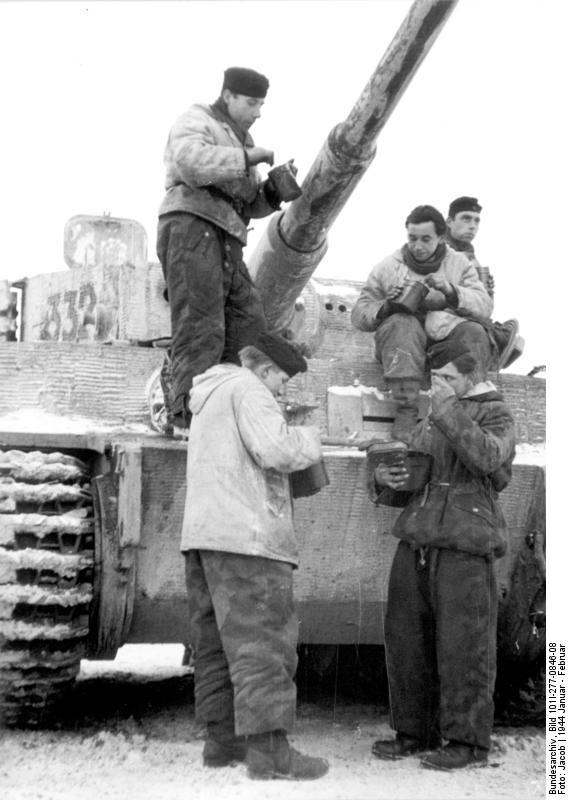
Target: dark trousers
{"x": 440, "y": 640}
{"x": 244, "y": 632}
{"x": 401, "y": 343}
{"x": 215, "y": 308}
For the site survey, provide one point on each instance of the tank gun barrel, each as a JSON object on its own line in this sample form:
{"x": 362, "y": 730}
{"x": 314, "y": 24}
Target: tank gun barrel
{"x": 295, "y": 241}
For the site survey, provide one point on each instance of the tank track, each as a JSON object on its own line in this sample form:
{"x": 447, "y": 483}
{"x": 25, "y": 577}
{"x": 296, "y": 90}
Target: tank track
{"x": 46, "y": 580}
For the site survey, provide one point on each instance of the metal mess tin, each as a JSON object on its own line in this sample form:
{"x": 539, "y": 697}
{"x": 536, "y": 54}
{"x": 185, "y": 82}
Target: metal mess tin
{"x": 411, "y": 299}
{"x": 305, "y": 482}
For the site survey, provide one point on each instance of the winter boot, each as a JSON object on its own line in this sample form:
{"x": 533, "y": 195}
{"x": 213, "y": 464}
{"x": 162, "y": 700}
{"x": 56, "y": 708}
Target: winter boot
{"x": 401, "y": 746}
{"x": 223, "y": 748}
{"x": 269, "y": 755}
{"x": 456, "y": 755}
{"x": 509, "y": 344}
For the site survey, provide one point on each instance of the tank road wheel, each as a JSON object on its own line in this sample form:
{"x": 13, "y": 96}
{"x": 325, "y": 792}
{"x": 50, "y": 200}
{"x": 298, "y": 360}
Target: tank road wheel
{"x": 46, "y": 580}
{"x": 158, "y": 390}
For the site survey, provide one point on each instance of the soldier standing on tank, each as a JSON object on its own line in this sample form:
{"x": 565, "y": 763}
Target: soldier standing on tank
{"x": 456, "y": 307}
{"x": 441, "y": 619}
{"x": 462, "y": 226}
{"x": 241, "y": 551}
{"x": 212, "y": 190}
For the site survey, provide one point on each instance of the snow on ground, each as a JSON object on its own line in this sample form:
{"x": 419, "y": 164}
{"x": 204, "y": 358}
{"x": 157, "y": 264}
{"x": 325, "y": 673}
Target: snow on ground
{"x": 129, "y": 733}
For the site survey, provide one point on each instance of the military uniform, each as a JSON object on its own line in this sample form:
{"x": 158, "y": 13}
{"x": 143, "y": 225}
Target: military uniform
{"x": 440, "y": 624}
{"x": 241, "y": 550}
{"x": 214, "y": 306}
{"x": 245, "y": 641}
{"x": 401, "y": 339}
{"x": 211, "y": 194}
{"x": 505, "y": 343}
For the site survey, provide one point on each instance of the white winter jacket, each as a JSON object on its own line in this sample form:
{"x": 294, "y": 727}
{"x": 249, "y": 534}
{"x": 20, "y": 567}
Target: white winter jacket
{"x": 239, "y": 454}
{"x": 473, "y": 299}
{"x": 202, "y": 151}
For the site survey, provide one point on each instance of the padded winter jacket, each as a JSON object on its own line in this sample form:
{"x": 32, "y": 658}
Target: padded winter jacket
{"x": 473, "y": 299}
{"x": 240, "y": 452}
{"x": 202, "y": 151}
{"x": 472, "y": 443}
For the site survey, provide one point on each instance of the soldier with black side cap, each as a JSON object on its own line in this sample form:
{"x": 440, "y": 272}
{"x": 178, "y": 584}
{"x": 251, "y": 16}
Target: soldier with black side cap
{"x": 213, "y": 189}
{"x": 241, "y": 551}
{"x": 462, "y": 225}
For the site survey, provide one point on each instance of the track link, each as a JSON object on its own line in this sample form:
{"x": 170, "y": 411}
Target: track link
{"x": 46, "y": 580}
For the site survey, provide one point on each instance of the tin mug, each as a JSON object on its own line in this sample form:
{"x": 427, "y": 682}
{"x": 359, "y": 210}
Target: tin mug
{"x": 411, "y": 299}
{"x": 285, "y": 182}
{"x": 309, "y": 481}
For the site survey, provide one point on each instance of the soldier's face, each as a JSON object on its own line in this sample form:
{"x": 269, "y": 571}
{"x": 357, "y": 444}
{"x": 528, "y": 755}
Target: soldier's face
{"x": 275, "y": 379}
{"x": 242, "y": 109}
{"x": 464, "y": 225}
{"x": 422, "y": 239}
{"x": 460, "y": 384}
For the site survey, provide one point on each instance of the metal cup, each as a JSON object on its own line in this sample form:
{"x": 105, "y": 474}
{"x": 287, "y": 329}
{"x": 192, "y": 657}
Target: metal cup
{"x": 411, "y": 299}
{"x": 306, "y": 482}
{"x": 284, "y": 179}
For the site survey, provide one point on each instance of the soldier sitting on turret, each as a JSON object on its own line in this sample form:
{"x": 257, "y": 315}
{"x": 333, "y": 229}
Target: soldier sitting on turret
{"x": 452, "y": 304}
{"x": 462, "y": 226}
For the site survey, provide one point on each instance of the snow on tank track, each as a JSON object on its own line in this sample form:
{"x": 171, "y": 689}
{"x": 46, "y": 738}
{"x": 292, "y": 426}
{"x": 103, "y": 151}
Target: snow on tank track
{"x": 46, "y": 580}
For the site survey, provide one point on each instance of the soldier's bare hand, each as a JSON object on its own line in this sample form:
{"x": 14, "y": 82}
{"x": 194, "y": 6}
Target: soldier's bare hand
{"x": 260, "y": 155}
{"x": 395, "y": 291}
{"x": 439, "y": 282}
{"x": 391, "y": 475}
{"x": 441, "y": 392}
{"x": 435, "y": 301}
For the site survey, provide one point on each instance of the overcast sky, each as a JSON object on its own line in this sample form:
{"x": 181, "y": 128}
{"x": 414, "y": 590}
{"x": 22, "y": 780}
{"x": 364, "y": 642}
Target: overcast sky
{"x": 89, "y": 91}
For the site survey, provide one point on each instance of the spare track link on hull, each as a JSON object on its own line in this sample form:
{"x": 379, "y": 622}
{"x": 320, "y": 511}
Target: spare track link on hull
{"x": 46, "y": 580}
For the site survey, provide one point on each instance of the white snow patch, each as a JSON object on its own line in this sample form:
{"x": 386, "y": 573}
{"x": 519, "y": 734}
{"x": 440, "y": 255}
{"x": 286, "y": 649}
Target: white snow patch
{"x": 356, "y": 390}
{"x": 527, "y": 453}
{"x": 36, "y": 420}
{"x": 149, "y": 660}
{"x": 341, "y": 289}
